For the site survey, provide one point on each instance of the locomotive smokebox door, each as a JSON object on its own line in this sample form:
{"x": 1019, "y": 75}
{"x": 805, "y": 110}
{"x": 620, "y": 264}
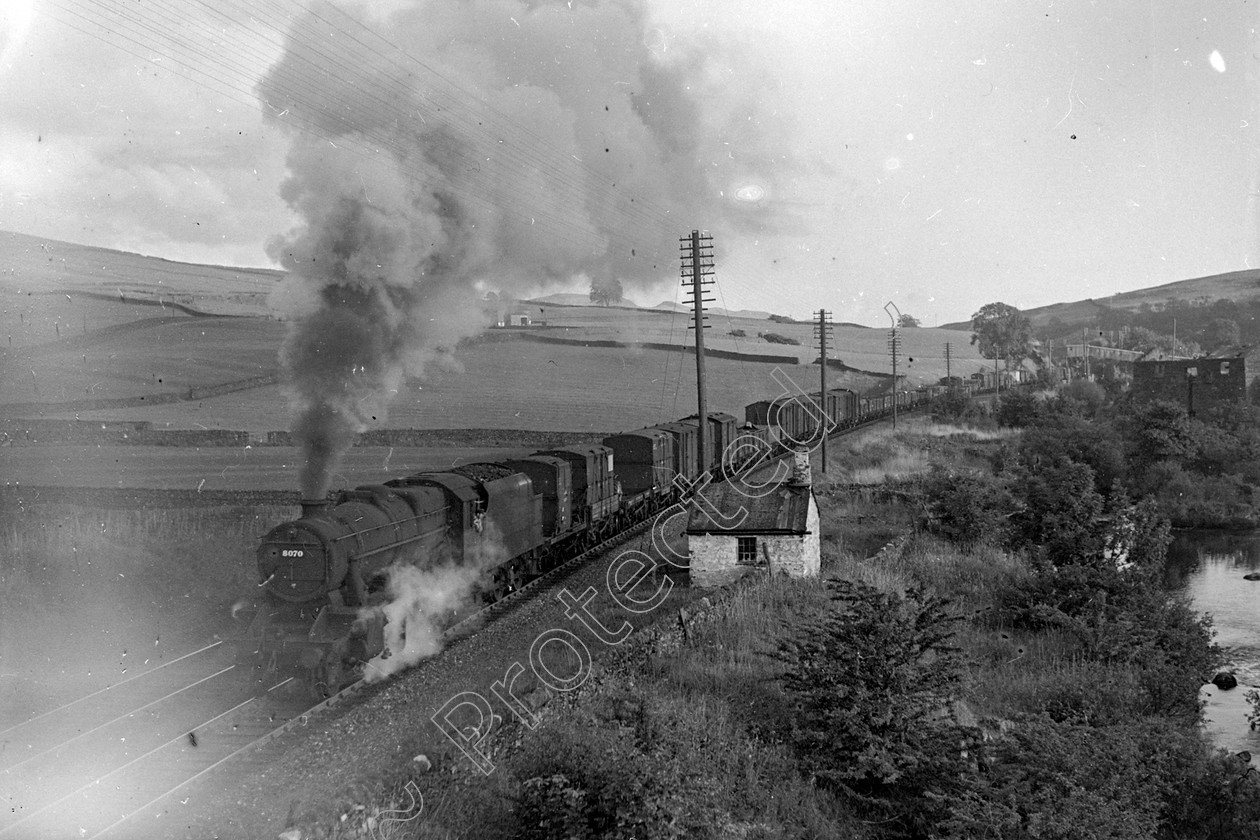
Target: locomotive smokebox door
{"x": 294, "y": 564}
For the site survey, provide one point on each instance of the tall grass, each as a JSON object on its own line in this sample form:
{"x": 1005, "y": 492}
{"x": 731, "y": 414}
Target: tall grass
{"x": 69, "y": 567}
{"x": 883, "y": 454}
{"x": 953, "y": 430}
{"x": 854, "y": 526}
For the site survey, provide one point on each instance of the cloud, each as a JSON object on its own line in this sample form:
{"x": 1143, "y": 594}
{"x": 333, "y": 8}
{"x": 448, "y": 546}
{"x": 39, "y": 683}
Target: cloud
{"x": 104, "y": 148}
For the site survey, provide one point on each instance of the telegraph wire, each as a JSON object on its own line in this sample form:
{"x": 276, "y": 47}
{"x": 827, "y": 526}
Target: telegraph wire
{"x": 385, "y": 141}
{"x": 646, "y": 210}
{"x": 132, "y": 32}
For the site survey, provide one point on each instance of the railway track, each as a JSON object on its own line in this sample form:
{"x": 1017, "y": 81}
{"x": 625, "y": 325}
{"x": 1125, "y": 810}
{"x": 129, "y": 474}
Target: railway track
{"x": 95, "y": 767}
{"x": 76, "y": 770}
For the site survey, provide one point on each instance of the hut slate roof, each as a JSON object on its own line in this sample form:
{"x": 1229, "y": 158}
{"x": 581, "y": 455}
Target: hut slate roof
{"x": 784, "y": 510}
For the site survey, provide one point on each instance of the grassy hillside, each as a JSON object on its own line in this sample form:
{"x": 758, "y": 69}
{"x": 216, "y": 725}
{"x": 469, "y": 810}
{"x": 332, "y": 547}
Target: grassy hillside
{"x": 1238, "y": 286}
{"x": 85, "y": 325}
{"x": 35, "y": 269}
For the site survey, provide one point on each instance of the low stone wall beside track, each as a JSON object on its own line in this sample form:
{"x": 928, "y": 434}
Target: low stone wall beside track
{"x": 142, "y": 433}
{"x": 134, "y": 498}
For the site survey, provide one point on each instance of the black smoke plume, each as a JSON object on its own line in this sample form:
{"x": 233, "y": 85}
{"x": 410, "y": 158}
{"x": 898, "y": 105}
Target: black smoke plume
{"x": 486, "y": 144}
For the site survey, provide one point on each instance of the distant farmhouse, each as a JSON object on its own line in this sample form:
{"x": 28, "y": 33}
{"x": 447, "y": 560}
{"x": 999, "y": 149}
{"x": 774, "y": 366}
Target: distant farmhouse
{"x": 1198, "y": 384}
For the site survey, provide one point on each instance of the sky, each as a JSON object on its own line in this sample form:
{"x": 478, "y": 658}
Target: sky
{"x": 937, "y": 155}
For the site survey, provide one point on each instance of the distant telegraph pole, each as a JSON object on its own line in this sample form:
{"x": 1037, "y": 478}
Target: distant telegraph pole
{"x": 894, "y": 345}
{"x": 949, "y": 373}
{"x": 697, "y": 269}
{"x": 822, "y": 331}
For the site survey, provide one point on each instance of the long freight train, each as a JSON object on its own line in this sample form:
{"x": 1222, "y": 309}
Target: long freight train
{"x": 513, "y": 520}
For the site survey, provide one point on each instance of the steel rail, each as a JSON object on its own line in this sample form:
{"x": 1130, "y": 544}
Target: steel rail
{"x": 119, "y": 769}
{"x": 124, "y": 716}
{"x": 107, "y": 688}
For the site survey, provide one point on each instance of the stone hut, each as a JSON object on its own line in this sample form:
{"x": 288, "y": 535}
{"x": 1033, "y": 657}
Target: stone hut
{"x": 731, "y": 532}
{"x": 1198, "y": 384}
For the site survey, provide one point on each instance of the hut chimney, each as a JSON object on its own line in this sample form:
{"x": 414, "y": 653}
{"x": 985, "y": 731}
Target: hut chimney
{"x": 800, "y": 468}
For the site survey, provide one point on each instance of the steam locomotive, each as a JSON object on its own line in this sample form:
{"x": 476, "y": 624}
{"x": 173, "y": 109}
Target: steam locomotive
{"x": 512, "y": 520}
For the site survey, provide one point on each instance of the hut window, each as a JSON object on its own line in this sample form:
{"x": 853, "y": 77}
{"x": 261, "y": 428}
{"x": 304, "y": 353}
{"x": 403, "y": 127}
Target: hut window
{"x": 746, "y": 551}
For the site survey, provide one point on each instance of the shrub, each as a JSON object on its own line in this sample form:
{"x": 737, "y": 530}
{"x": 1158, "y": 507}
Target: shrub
{"x": 871, "y": 682}
{"x": 1063, "y": 781}
{"x": 1143, "y": 778}
{"x": 1079, "y": 440}
{"x": 1217, "y": 796}
{"x": 1081, "y": 396}
{"x": 775, "y": 338}
{"x": 594, "y": 782}
{"x": 958, "y": 407}
{"x": 1125, "y": 619}
{"x": 966, "y": 508}
{"x": 1159, "y": 431}
{"x": 1058, "y": 511}
{"x": 1017, "y": 409}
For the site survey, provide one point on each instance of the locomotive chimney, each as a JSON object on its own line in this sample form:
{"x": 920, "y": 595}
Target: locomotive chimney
{"x": 313, "y": 507}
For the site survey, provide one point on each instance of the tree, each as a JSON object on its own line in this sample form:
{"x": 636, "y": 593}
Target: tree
{"x": 908, "y": 321}
{"x": 606, "y": 292}
{"x": 1221, "y": 333}
{"x": 1159, "y": 431}
{"x": 1003, "y": 332}
{"x": 1057, "y": 517}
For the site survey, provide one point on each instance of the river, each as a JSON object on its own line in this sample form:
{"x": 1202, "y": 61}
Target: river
{"x": 1211, "y": 566}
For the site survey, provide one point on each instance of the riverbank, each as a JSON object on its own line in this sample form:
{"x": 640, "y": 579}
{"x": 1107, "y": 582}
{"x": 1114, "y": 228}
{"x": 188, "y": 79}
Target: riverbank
{"x": 1209, "y": 569}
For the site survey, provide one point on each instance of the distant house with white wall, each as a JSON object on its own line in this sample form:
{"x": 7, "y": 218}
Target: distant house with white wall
{"x": 731, "y": 533}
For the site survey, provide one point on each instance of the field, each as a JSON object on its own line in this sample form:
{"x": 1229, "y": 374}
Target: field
{"x": 102, "y": 335}
{"x": 150, "y": 355}
{"x": 858, "y": 347}
{"x": 512, "y": 385}
{"x": 222, "y": 467}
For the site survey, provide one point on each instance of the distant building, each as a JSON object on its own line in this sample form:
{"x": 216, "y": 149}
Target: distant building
{"x": 1095, "y": 351}
{"x": 518, "y": 319}
{"x": 1197, "y": 384}
{"x": 731, "y": 533}
{"x": 1003, "y": 379}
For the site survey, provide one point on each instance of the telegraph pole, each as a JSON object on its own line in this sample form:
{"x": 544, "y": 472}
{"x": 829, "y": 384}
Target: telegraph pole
{"x": 697, "y": 269}
{"x": 894, "y": 345}
{"x": 949, "y": 373}
{"x": 822, "y": 331}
